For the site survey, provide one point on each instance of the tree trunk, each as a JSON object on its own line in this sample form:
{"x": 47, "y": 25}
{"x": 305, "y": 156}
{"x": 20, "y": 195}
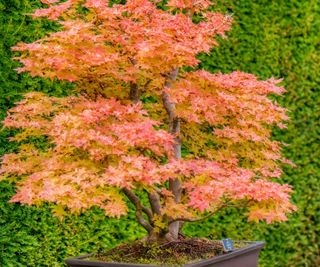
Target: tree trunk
{"x": 174, "y": 128}
{"x": 172, "y": 233}
{"x": 161, "y": 237}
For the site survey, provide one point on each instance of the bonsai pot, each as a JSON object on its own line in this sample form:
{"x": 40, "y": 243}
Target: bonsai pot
{"x": 242, "y": 257}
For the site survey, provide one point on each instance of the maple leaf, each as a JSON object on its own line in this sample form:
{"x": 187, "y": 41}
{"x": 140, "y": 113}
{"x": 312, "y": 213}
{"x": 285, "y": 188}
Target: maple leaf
{"x": 106, "y": 144}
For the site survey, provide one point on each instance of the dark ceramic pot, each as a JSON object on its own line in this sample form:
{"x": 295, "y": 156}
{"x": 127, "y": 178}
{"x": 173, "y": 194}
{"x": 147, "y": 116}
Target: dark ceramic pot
{"x": 243, "y": 257}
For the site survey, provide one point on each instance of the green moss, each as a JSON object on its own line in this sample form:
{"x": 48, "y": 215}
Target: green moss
{"x": 176, "y": 253}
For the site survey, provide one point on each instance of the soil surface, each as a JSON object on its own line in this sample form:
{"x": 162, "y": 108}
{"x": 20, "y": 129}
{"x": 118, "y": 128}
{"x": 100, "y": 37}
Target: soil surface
{"x": 176, "y": 253}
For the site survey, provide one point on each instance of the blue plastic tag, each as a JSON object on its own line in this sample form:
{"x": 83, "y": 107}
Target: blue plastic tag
{"x": 227, "y": 245}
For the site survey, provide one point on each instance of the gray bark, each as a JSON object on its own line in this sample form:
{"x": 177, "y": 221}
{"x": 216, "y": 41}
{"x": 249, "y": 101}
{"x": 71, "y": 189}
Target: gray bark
{"x": 154, "y": 200}
{"x": 134, "y": 93}
{"x": 174, "y": 128}
{"x": 153, "y": 197}
{"x": 174, "y": 184}
{"x": 139, "y": 209}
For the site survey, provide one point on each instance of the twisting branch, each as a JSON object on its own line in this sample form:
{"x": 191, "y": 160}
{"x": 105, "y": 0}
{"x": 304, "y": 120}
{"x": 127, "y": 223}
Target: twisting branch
{"x": 196, "y": 219}
{"x": 143, "y": 222}
{"x": 225, "y": 205}
{"x": 136, "y": 201}
{"x": 153, "y": 197}
{"x": 154, "y": 200}
{"x": 139, "y": 209}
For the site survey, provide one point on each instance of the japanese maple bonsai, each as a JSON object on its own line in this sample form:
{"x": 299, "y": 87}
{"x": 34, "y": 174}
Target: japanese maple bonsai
{"x": 140, "y": 98}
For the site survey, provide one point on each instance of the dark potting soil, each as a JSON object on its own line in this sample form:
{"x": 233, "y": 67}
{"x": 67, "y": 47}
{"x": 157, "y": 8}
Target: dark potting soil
{"x": 175, "y": 253}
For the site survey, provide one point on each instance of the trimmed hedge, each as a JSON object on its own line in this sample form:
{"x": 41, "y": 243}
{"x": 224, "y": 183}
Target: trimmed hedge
{"x": 281, "y": 39}
{"x": 269, "y": 38}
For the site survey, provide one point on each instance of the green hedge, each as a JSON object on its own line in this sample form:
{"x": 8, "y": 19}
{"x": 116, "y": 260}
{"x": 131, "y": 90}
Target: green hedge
{"x": 281, "y": 39}
{"x": 269, "y": 38}
{"x": 32, "y": 236}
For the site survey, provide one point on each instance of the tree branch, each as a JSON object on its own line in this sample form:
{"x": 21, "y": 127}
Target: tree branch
{"x": 146, "y": 225}
{"x": 174, "y": 122}
{"x": 134, "y": 90}
{"x": 154, "y": 197}
{"x": 195, "y": 219}
{"x": 139, "y": 209}
{"x": 154, "y": 200}
{"x": 134, "y": 93}
{"x": 209, "y": 214}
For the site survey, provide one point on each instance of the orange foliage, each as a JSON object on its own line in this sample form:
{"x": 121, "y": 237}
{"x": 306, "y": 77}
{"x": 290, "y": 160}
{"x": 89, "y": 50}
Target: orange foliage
{"x": 101, "y": 143}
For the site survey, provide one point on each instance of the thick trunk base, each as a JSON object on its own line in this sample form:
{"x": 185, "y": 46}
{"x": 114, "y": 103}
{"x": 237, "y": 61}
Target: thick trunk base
{"x": 160, "y": 238}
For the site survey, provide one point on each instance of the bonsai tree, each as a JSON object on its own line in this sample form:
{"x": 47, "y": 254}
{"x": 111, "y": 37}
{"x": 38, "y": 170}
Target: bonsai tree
{"x": 145, "y": 124}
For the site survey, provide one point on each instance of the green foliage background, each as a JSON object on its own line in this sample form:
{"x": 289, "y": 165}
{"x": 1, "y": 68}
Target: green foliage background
{"x": 269, "y": 38}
